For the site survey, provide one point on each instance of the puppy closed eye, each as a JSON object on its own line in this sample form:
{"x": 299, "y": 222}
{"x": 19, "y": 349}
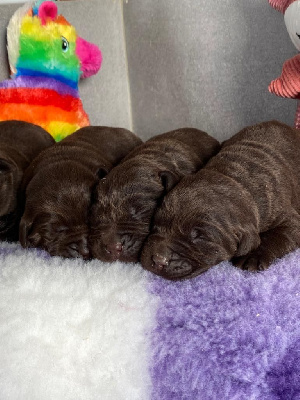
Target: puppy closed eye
{"x": 61, "y": 229}
{"x": 206, "y": 241}
{"x": 135, "y": 212}
{"x": 140, "y": 211}
{"x": 197, "y": 236}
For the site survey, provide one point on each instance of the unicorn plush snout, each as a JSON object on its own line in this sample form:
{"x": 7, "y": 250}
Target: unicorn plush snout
{"x": 90, "y": 57}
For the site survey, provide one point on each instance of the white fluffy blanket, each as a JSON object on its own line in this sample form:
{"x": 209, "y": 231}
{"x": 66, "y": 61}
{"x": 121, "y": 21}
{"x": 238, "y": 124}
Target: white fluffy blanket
{"x": 71, "y": 329}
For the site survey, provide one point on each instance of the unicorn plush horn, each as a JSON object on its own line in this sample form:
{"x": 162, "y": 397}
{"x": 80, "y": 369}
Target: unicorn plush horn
{"x": 47, "y": 58}
{"x": 288, "y": 84}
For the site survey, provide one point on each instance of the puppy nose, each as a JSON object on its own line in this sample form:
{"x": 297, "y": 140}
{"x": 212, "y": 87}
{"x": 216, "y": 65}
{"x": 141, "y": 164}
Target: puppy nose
{"x": 159, "y": 261}
{"x": 114, "y": 249}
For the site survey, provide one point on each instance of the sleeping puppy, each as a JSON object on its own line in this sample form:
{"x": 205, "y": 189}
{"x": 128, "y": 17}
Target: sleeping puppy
{"x": 20, "y": 143}
{"x": 59, "y": 185}
{"x": 243, "y": 205}
{"x": 127, "y": 197}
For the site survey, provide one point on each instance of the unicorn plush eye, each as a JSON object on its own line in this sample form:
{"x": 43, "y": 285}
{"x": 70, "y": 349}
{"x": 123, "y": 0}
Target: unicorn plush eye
{"x": 64, "y": 44}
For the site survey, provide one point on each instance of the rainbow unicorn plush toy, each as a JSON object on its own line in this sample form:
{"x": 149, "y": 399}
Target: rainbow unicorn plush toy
{"x": 46, "y": 59}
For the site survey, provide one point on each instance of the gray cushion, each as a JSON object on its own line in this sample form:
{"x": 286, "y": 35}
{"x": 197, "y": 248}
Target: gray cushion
{"x": 205, "y": 63}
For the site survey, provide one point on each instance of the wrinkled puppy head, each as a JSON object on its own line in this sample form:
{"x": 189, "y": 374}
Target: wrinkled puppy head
{"x": 194, "y": 230}
{"x": 124, "y": 204}
{"x": 54, "y": 234}
{"x": 182, "y": 251}
{"x": 56, "y": 212}
{"x": 10, "y": 178}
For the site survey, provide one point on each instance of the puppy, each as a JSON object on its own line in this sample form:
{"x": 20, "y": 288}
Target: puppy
{"x": 127, "y": 197}
{"x": 59, "y": 186}
{"x": 20, "y": 142}
{"x": 243, "y": 205}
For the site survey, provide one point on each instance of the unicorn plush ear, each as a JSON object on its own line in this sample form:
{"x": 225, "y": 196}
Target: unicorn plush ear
{"x": 47, "y": 11}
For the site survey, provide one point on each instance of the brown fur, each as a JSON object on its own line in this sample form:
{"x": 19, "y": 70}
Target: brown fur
{"x": 20, "y": 142}
{"x": 126, "y": 199}
{"x": 60, "y": 184}
{"x": 244, "y": 205}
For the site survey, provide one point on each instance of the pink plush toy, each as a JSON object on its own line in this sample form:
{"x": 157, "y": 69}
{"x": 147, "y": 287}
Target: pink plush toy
{"x": 288, "y": 84}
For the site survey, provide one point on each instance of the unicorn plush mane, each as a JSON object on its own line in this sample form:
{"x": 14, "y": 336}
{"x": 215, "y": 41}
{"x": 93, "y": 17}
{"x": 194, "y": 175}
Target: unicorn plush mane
{"x": 46, "y": 59}
{"x": 13, "y": 35}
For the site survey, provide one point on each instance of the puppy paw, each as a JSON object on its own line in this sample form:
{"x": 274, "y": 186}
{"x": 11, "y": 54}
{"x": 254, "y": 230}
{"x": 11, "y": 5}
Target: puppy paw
{"x": 251, "y": 262}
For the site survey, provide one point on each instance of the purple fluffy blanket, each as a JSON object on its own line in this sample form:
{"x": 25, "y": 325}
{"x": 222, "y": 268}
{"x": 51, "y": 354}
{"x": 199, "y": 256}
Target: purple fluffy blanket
{"x": 87, "y": 330}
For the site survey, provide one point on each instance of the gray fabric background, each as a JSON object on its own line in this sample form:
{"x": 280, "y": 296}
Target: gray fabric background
{"x": 200, "y": 63}
{"x": 205, "y": 63}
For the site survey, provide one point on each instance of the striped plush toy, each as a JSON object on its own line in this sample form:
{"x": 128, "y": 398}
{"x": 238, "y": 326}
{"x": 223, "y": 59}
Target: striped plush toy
{"x": 288, "y": 83}
{"x": 46, "y": 59}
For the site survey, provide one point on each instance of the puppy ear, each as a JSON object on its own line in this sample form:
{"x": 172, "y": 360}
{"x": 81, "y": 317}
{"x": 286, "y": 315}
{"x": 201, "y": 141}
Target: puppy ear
{"x": 249, "y": 241}
{"x": 6, "y": 166}
{"x": 168, "y": 179}
{"x": 102, "y": 172}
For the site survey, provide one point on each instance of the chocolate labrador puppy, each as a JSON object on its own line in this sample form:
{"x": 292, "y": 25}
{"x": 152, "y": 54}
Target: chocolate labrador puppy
{"x": 20, "y": 143}
{"x": 127, "y": 197}
{"x": 59, "y": 185}
{"x": 243, "y": 205}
